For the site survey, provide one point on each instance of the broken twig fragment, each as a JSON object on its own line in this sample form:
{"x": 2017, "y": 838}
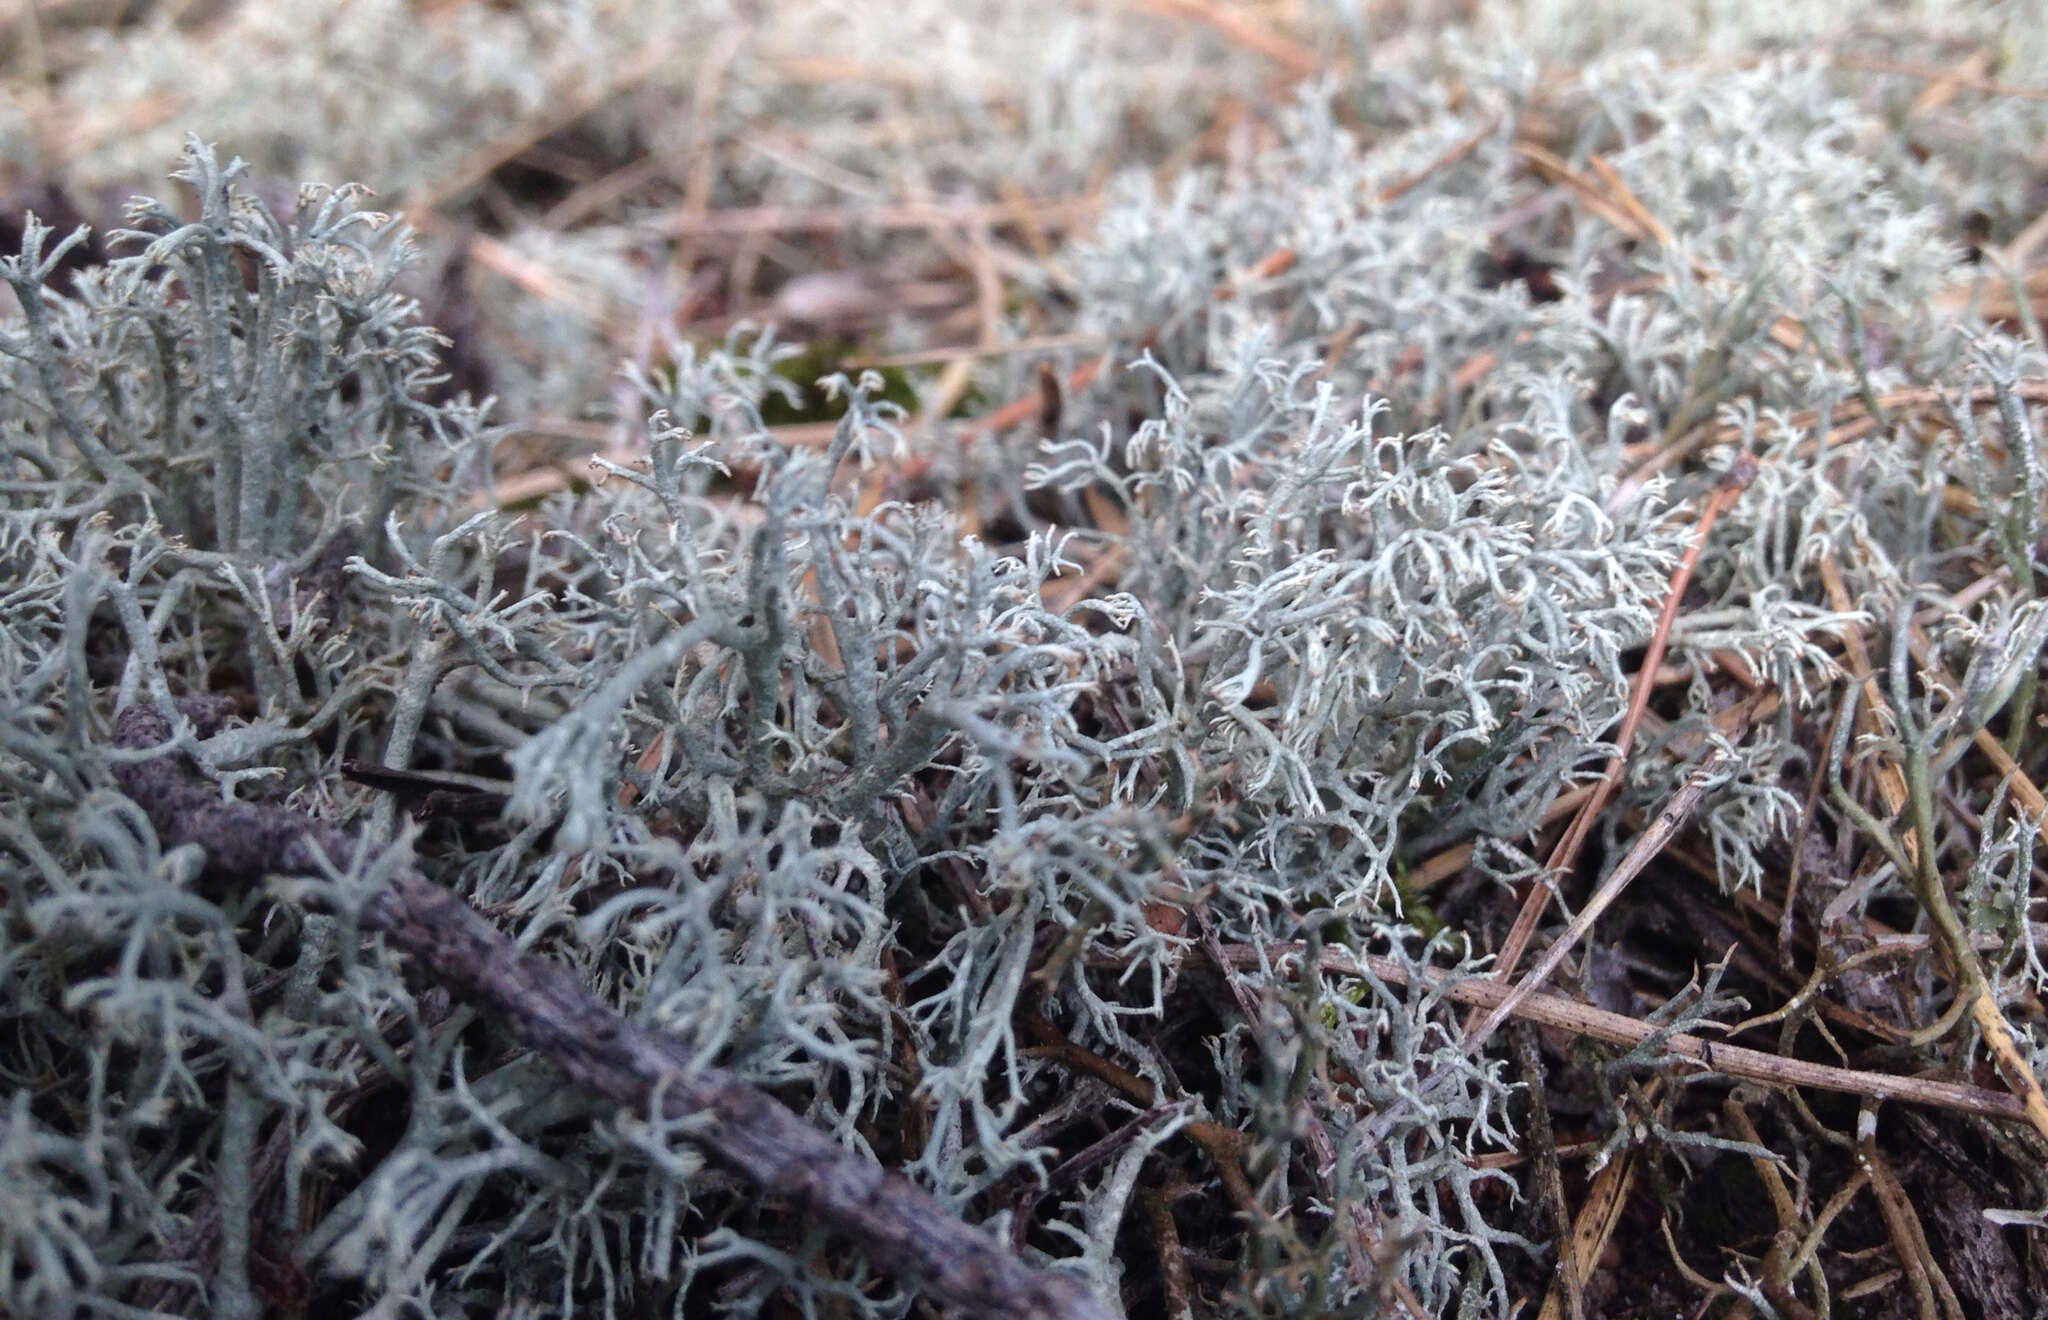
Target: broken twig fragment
{"x": 903, "y": 1230}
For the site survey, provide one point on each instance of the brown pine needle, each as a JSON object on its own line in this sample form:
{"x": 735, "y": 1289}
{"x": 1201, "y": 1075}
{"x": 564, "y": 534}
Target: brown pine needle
{"x": 1732, "y": 485}
{"x": 1647, "y": 846}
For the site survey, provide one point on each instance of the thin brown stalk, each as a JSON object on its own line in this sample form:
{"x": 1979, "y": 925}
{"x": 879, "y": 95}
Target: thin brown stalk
{"x": 740, "y": 221}
{"x": 1458, "y": 151}
{"x": 1242, "y": 29}
{"x": 1931, "y": 73}
{"x": 1933, "y": 1298}
{"x": 1567, "y": 1014}
{"x": 1173, "y": 1263}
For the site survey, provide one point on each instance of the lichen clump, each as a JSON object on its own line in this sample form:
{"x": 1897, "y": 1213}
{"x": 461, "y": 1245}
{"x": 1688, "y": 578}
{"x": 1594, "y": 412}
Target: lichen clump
{"x": 992, "y": 796}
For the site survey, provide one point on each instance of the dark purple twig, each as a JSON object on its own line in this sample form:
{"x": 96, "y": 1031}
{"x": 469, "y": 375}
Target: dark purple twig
{"x": 903, "y": 1230}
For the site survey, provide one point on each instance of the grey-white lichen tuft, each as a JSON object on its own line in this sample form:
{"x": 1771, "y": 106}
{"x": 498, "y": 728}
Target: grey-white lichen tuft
{"x": 973, "y": 848}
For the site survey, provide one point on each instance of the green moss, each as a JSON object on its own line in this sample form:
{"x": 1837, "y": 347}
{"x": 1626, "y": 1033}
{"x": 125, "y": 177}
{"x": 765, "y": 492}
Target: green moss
{"x": 817, "y": 361}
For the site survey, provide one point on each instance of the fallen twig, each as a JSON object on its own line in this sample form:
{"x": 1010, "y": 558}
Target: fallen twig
{"x": 903, "y": 1230}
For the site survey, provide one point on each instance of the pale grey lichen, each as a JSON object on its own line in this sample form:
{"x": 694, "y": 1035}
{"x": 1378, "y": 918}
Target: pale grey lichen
{"x": 860, "y": 803}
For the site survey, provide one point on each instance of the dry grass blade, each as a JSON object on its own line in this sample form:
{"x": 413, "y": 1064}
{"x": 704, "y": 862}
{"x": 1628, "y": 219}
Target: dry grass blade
{"x": 1297, "y": 60}
{"x": 1956, "y": 77}
{"x": 733, "y": 222}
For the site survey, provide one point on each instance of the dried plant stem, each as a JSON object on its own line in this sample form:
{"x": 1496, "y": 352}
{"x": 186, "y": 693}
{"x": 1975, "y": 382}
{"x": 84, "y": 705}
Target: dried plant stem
{"x": 2023, "y": 788}
{"x": 1566, "y": 1014}
{"x": 1223, "y": 1145}
{"x": 1023, "y": 407}
{"x": 1458, "y": 151}
{"x": 1781, "y": 1264}
{"x": 1452, "y": 861}
{"x": 1875, "y": 715}
{"x": 1173, "y": 1265}
{"x": 1975, "y": 986}
{"x": 901, "y": 1228}
{"x": 742, "y": 221}
{"x": 495, "y": 153}
{"x": 1295, "y": 60}
{"x": 1851, "y": 421}
{"x": 1934, "y": 73}
{"x": 1548, "y": 1183}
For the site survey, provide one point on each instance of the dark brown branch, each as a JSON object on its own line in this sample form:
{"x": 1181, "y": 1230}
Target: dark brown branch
{"x": 903, "y": 1230}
